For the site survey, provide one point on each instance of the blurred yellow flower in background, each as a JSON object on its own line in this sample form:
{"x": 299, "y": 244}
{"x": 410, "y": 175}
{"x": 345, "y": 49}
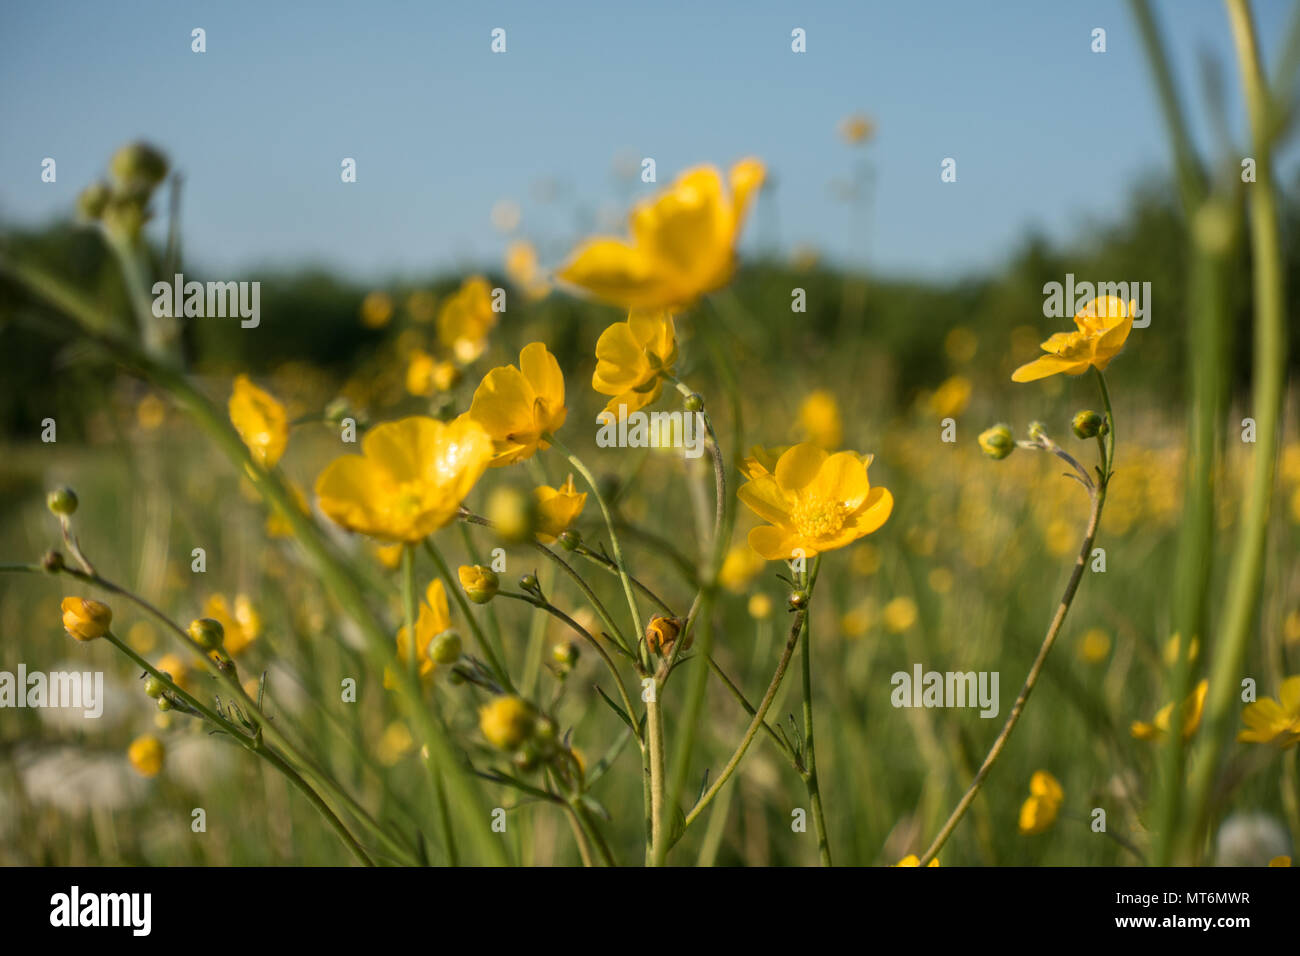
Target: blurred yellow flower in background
{"x": 899, "y": 614}
{"x": 632, "y": 358}
{"x": 422, "y": 305}
{"x": 242, "y": 623}
{"x": 1174, "y": 649}
{"x": 516, "y": 406}
{"x": 739, "y": 567}
{"x": 759, "y": 606}
{"x": 389, "y": 555}
{"x": 434, "y": 617}
{"x": 961, "y": 344}
{"x": 682, "y": 242}
{"x": 427, "y": 376}
{"x": 466, "y": 318}
{"x": 146, "y": 755}
{"x": 151, "y": 412}
{"x": 523, "y": 270}
{"x": 856, "y": 129}
{"x": 395, "y": 743}
{"x": 1045, "y": 798}
{"x": 557, "y": 508}
{"x": 260, "y": 420}
{"x": 1270, "y": 721}
{"x": 820, "y": 421}
{"x": 1103, "y": 325}
{"x": 1094, "y": 646}
{"x": 177, "y": 669}
{"x": 913, "y": 860}
{"x": 951, "y": 397}
{"x": 409, "y": 479}
{"x": 815, "y": 502}
{"x": 376, "y": 310}
{"x": 1192, "y": 708}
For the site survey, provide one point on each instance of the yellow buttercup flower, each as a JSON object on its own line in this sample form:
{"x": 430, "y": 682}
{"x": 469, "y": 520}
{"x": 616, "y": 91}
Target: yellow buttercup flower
{"x": 466, "y": 318}
{"x": 1192, "y": 708}
{"x": 815, "y": 502}
{"x": 1280, "y": 861}
{"x": 506, "y": 722}
{"x": 260, "y": 421}
{"x": 479, "y": 582}
{"x": 1045, "y": 798}
{"x": 1270, "y": 721}
{"x": 85, "y": 619}
{"x": 516, "y": 406}
{"x": 762, "y": 460}
{"x": 434, "y": 617}
{"x": 682, "y": 242}
{"x": 146, "y": 755}
{"x": 242, "y": 624}
{"x": 913, "y": 860}
{"x": 409, "y": 479}
{"x": 632, "y": 358}
{"x": 1103, "y": 325}
{"x": 557, "y": 508}
{"x": 819, "y": 420}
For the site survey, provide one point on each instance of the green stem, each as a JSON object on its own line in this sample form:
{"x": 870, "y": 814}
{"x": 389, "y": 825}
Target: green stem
{"x": 1098, "y": 496}
{"x": 253, "y": 744}
{"x": 453, "y": 585}
{"x": 1246, "y": 570}
{"x": 810, "y": 778}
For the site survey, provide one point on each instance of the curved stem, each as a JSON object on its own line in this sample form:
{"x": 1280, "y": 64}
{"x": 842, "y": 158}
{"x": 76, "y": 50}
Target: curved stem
{"x": 1098, "y": 496}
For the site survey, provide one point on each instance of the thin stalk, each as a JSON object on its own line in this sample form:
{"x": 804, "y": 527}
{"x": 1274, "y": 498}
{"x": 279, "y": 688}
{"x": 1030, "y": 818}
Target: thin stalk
{"x": 1246, "y": 570}
{"x": 810, "y": 778}
{"x": 1098, "y": 496}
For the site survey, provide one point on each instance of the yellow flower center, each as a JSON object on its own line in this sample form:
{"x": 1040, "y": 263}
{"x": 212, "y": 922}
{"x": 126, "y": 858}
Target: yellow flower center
{"x": 410, "y": 498}
{"x": 818, "y": 518}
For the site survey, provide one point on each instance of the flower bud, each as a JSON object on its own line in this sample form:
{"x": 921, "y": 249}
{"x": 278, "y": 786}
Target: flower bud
{"x": 138, "y": 165}
{"x": 155, "y": 687}
{"x": 62, "y": 501}
{"x": 694, "y": 402}
{"x": 165, "y": 704}
{"x": 85, "y": 619}
{"x": 997, "y": 442}
{"x": 569, "y": 539}
{"x": 93, "y": 200}
{"x": 479, "y": 583}
{"x": 525, "y": 759}
{"x": 445, "y": 648}
{"x": 506, "y": 722}
{"x": 529, "y": 583}
{"x": 337, "y": 410}
{"x": 513, "y": 513}
{"x": 661, "y": 634}
{"x": 52, "y": 561}
{"x": 798, "y": 600}
{"x": 207, "y": 633}
{"x": 1037, "y": 430}
{"x": 565, "y": 654}
{"x": 1088, "y": 424}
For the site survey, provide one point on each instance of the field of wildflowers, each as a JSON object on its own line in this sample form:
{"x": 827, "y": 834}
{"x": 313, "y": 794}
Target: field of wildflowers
{"x": 645, "y": 554}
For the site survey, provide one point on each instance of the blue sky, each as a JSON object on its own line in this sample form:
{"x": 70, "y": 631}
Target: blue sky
{"x": 1046, "y": 133}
